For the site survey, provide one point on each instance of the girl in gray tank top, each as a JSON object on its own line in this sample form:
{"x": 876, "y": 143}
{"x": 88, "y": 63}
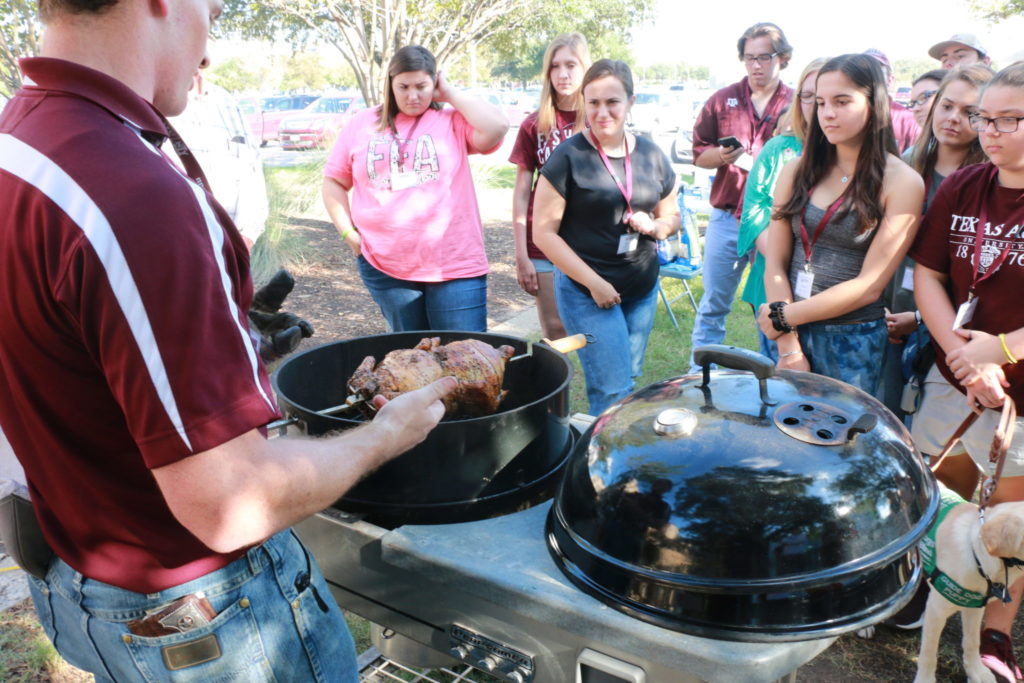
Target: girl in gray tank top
{"x": 826, "y": 269}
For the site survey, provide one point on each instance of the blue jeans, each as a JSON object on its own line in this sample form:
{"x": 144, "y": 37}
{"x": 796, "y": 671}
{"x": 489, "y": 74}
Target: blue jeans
{"x": 616, "y": 358}
{"x": 450, "y": 305}
{"x": 851, "y": 353}
{"x": 266, "y": 629}
{"x": 722, "y": 273}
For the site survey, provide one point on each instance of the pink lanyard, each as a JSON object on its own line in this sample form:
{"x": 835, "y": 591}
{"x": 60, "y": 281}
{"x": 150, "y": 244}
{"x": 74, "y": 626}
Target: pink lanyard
{"x": 979, "y": 236}
{"x": 627, "y": 190}
{"x": 808, "y": 241}
{"x": 404, "y": 143}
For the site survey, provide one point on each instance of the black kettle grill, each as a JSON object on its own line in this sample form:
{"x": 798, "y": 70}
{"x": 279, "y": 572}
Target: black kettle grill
{"x": 754, "y": 505}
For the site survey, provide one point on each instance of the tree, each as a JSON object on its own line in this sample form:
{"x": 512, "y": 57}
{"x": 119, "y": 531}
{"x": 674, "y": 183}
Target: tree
{"x": 906, "y": 70}
{"x": 996, "y": 10}
{"x": 367, "y": 32}
{"x": 235, "y": 74}
{"x": 19, "y": 37}
{"x": 519, "y": 54}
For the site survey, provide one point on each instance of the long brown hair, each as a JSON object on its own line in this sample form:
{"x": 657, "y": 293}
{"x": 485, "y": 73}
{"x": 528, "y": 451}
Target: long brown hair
{"x": 546, "y": 112}
{"x": 926, "y": 149}
{"x": 406, "y": 59}
{"x": 819, "y": 155}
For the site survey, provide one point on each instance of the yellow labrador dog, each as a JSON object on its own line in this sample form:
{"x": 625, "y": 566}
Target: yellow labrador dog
{"x": 969, "y": 563}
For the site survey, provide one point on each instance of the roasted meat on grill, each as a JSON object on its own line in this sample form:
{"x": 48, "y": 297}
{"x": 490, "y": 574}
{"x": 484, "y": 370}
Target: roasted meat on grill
{"x": 479, "y": 367}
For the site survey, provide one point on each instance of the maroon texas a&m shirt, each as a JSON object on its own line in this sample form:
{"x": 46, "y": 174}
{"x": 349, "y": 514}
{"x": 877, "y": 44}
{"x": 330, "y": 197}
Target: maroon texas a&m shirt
{"x": 730, "y": 112}
{"x": 970, "y": 204}
{"x": 125, "y": 346}
{"x": 530, "y": 152}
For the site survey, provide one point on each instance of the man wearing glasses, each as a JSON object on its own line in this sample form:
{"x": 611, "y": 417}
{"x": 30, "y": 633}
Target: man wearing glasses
{"x": 730, "y": 131}
{"x": 962, "y": 49}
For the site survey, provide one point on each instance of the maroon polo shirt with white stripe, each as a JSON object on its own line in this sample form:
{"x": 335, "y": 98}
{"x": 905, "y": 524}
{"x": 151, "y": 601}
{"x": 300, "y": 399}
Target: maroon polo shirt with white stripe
{"x": 124, "y": 341}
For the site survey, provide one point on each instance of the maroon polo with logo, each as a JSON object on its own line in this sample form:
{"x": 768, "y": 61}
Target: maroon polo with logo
{"x": 125, "y": 346}
{"x": 730, "y": 112}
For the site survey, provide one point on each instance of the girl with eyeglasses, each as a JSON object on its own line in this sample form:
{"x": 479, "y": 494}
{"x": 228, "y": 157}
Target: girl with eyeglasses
{"x": 922, "y": 91}
{"x": 845, "y": 214}
{"x": 787, "y": 145}
{"x": 967, "y": 283}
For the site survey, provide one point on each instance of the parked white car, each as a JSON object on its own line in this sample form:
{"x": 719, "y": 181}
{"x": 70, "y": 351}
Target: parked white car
{"x": 215, "y": 130}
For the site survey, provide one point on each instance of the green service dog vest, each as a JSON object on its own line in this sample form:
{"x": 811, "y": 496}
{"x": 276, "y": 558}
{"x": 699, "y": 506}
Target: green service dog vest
{"x": 947, "y": 587}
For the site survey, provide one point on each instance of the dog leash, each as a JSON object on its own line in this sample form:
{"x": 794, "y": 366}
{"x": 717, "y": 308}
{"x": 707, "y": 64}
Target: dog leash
{"x": 997, "y": 452}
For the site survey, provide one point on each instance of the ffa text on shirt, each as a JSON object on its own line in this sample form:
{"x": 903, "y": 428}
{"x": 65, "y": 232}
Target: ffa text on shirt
{"x": 383, "y": 159}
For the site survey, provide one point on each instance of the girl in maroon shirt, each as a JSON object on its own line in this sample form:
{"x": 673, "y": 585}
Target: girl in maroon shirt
{"x": 559, "y": 117}
{"x": 967, "y": 283}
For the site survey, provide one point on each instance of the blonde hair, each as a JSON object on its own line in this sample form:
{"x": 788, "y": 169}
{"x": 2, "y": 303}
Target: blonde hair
{"x": 546, "y": 112}
{"x": 795, "y": 110}
{"x": 926, "y": 148}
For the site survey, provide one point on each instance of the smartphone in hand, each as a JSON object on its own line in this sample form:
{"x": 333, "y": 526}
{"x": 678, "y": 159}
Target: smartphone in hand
{"x": 730, "y": 141}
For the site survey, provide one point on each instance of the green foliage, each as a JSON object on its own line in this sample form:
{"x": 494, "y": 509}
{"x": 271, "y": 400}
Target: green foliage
{"x": 20, "y": 32}
{"x": 292, "y": 192}
{"x": 673, "y": 72}
{"x": 367, "y": 33}
{"x": 518, "y": 55}
{"x": 906, "y": 70}
{"x": 238, "y": 75}
{"x": 995, "y": 10}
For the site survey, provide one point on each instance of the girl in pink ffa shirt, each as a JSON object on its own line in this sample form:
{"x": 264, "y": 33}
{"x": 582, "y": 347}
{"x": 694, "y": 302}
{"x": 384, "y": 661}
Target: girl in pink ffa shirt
{"x": 968, "y": 283}
{"x": 398, "y": 188}
{"x": 559, "y": 117}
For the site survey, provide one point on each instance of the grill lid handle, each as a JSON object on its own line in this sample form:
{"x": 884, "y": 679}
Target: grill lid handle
{"x": 735, "y": 358}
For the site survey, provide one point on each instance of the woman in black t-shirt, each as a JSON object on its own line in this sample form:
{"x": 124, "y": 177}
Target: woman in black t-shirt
{"x": 604, "y": 197}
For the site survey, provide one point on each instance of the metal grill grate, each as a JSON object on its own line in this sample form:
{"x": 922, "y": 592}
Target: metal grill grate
{"x": 376, "y": 668}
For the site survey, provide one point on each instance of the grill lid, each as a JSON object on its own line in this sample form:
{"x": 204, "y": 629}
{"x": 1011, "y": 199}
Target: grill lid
{"x": 756, "y": 506}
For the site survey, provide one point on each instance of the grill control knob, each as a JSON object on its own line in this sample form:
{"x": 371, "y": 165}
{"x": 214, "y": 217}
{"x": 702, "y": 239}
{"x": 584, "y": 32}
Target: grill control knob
{"x": 459, "y": 652}
{"x": 516, "y": 677}
{"x": 488, "y": 663}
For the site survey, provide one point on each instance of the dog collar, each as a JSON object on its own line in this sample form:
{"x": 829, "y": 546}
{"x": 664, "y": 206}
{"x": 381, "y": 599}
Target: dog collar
{"x": 995, "y": 590}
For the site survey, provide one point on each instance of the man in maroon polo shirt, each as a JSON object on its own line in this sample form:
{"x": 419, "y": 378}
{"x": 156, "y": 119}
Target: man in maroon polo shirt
{"x": 152, "y": 481}
{"x": 747, "y": 111}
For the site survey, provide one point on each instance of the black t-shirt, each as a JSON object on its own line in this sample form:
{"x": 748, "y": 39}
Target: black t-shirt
{"x": 594, "y": 208}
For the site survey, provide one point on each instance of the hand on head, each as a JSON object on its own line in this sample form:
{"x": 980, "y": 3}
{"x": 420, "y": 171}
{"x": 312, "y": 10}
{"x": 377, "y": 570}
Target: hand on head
{"x": 442, "y": 89}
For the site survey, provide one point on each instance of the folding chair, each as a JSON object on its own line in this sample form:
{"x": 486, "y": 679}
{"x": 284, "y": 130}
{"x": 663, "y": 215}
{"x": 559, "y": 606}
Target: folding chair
{"x": 688, "y": 264}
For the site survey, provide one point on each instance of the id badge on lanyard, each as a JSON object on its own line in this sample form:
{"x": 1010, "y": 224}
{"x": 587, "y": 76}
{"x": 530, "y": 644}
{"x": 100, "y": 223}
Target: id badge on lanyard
{"x": 982, "y": 271}
{"x": 804, "y": 286}
{"x": 630, "y": 240}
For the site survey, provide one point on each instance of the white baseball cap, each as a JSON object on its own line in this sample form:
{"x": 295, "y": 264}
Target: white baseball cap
{"x": 968, "y": 39}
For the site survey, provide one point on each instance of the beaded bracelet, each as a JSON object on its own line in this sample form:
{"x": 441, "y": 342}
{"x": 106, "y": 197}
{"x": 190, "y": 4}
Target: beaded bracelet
{"x": 1006, "y": 349}
{"x": 777, "y": 317}
{"x": 347, "y": 231}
